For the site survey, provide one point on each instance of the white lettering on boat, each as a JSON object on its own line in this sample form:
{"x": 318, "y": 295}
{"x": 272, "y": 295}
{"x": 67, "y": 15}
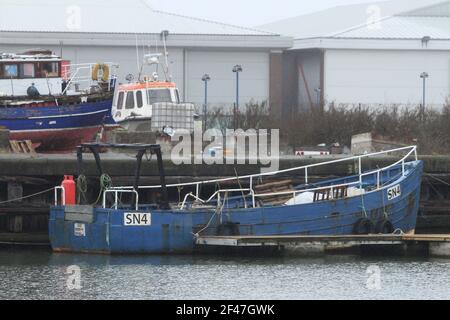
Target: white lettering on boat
{"x": 394, "y": 192}
{"x": 137, "y": 219}
{"x": 79, "y": 229}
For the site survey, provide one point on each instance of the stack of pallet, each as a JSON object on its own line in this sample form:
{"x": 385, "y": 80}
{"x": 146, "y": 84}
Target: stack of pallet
{"x": 275, "y": 187}
{"x": 21, "y": 146}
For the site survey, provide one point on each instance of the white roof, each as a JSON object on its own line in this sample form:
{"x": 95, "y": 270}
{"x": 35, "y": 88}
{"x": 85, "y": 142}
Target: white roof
{"x": 106, "y": 16}
{"x": 407, "y": 28}
{"x": 402, "y": 27}
{"x": 8, "y": 57}
{"x": 341, "y": 18}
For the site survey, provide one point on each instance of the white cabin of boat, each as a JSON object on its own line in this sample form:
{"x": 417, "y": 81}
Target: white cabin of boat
{"x": 151, "y": 104}
{"x": 19, "y": 71}
{"x": 49, "y": 75}
{"x": 135, "y": 100}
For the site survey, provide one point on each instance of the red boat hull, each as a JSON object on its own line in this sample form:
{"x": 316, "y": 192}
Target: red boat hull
{"x": 61, "y": 140}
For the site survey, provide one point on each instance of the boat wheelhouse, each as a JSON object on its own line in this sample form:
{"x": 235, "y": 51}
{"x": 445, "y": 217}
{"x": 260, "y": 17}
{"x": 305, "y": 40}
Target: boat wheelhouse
{"x": 19, "y": 71}
{"x": 53, "y": 103}
{"x": 135, "y": 105}
{"x": 381, "y": 201}
{"x": 151, "y": 104}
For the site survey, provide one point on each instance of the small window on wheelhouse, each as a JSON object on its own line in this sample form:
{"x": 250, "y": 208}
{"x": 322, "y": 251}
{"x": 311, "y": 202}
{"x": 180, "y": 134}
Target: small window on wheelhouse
{"x": 120, "y": 101}
{"x": 49, "y": 69}
{"x": 27, "y": 70}
{"x": 139, "y": 101}
{"x": 129, "y": 104}
{"x": 10, "y": 70}
{"x": 158, "y": 95}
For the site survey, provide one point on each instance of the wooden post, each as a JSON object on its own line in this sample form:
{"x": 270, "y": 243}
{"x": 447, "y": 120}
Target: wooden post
{"x": 15, "y": 191}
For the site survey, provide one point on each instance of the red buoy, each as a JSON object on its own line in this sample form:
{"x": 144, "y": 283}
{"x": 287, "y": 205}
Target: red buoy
{"x": 69, "y": 190}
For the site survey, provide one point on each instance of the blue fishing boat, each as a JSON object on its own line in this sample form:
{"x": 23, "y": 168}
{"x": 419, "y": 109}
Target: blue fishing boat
{"x": 52, "y": 103}
{"x": 381, "y": 201}
{"x": 55, "y": 128}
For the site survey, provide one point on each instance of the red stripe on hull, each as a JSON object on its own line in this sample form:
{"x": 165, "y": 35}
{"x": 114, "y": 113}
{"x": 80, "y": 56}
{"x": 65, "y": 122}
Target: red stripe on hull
{"x": 65, "y": 140}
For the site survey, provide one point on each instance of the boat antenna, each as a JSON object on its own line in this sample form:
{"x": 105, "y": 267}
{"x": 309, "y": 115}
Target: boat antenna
{"x": 157, "y": 50}
{"x": 137, "y": 58}
{"x": 164, "y": 35}
{"x": 61, "y": 45}
{"x": 143, "y": 53}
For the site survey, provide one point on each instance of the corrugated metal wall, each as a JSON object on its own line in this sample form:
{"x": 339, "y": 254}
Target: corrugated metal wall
{"x": 254, "y": 80}
{"x": 383, "y": 77}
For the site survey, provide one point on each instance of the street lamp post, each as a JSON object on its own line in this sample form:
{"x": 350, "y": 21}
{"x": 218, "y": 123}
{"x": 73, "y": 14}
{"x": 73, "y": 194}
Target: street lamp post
{"x": 424, "y": 76}
{"x": 318, "y": 98}
{"x": 205, "y": 79}
{"x": 236, "y": 69}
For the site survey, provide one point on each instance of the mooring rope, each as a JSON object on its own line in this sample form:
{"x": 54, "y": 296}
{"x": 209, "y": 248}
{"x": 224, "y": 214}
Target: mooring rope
{"x": 29, "y": 196}
{"x": 218, "y": 211}
{"x": 105, "y": 184}
{"x": 82, "y": 186}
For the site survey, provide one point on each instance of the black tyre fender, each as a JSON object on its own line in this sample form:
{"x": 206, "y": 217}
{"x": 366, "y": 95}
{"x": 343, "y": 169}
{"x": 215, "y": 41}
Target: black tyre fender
{"x": 384, "y": 227}
{"x": 363, "y": 226}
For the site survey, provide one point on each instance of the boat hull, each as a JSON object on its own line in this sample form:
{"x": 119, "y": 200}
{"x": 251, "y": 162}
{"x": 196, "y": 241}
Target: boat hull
{"x": 173, "y": 231}
{"x": 58, "y": 140}
{"x": 56, "y": 128}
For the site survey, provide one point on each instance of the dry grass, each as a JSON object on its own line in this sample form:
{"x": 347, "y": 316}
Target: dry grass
{"x": 430, "y": 131}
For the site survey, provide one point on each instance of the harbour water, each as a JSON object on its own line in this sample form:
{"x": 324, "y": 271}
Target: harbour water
{"x": 40, "y": 274}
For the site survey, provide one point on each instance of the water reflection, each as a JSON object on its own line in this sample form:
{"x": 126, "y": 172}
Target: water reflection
{"x": 40, "y": 274}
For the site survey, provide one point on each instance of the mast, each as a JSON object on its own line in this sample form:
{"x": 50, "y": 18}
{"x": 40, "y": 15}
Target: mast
{"x": 164, "y": 35}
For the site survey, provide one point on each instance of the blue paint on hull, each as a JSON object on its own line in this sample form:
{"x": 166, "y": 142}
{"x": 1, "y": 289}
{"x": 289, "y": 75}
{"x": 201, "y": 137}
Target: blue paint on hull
{"x": 55, "y": 117}
{"x": 173, "y": 231}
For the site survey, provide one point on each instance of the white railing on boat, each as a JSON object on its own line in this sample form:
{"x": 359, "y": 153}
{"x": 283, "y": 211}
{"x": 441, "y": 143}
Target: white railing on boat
{"x": 217, "y": 195}
{"x": 412, "y": 151}
{"x": 63, "y": 195}
{"x": 116, "y": 197}
{"x": 82, "y": 73}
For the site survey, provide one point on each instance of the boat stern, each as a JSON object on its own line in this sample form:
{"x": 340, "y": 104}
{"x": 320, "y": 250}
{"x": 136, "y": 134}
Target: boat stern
{"x": 78, "y": 229}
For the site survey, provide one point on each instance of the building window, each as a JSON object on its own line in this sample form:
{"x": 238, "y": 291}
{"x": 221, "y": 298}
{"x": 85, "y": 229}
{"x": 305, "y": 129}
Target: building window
{"x": 158, "y": 95}
{"x": 10, "y": 71}
{"x": 120, "y": 101}
{"x": 130, "y": 100}
{"x": 50, "y": 69}
{"x": 139, "y": 101}
{"x": 27, "y": 70}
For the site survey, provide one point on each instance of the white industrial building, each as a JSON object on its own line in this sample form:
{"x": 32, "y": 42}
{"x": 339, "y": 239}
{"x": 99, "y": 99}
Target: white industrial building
{"x": 366, "y": 54}
{"x": 123, "y": 31}
{"x": 374, "y": 60}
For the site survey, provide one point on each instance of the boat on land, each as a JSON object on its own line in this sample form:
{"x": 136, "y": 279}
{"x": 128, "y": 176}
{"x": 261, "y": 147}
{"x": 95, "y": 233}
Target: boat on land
{"x": 380, "y": 201}
{"x": 52, "y": 103}
{"x": 152, "y": 103}
{"x": 151, "y": 106}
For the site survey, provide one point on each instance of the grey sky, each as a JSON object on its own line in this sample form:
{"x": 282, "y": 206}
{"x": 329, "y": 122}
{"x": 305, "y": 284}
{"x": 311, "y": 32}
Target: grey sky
{"x": 247, "y": 12}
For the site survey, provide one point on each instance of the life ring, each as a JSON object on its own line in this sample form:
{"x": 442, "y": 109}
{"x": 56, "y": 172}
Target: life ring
{"x": 105, "y": 72}
{"x": 384, "y": 227}
{"x": 363, "y": 226}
